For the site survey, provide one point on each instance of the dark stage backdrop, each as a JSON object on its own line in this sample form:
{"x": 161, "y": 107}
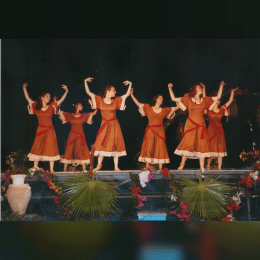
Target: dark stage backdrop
{"x": 150, "y": 64}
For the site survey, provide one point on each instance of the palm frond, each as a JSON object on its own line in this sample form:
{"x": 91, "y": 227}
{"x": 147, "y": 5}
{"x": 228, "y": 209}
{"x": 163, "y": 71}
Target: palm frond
{"x": 91, "y": 199}
{"x": 208, "y": 198}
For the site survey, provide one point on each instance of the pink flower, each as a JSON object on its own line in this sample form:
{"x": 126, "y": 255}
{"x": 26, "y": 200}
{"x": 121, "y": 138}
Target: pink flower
{"x": 66, "y": 208}
{"x": 54, "y": 179}
{"x": 172, "y": 212}
{"x": 171, "y": 187}
{"x": 16, "y": 170}
{"x": 140, "y": 205}
{"x": 41, "y": 170}
{"x": 70, "y": 212}
{"x": 143, "y": 198}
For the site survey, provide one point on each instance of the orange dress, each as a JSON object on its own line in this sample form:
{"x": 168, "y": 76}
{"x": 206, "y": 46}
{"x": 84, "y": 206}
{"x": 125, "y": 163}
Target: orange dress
{"x": 217, "y": 143}
{"x": 45, "y": 146}
{"x": 76, "y": 151}
{"x": 195, "y": 141}
{"x": 154, "y": 149}
{"x": 109, "y": 140}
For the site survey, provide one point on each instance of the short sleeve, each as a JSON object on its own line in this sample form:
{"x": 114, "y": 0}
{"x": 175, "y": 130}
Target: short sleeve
{"x": 120, "y": 102}
{"x": 31, "y": 108}
{"x": 210, "y": 103}
{"x": 95, "y": 101}
{"x": 184, "y": 102}
{"x": 169, "y": 112}
{"x": 65, "y": 117}
{"x": 88, "y": 118}
{"x": 55, "y": 107}
{"x": 143, "y": 108}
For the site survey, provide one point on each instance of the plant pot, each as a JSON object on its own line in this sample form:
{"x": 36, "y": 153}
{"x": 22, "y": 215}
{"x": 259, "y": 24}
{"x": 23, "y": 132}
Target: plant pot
{"x": 18, "y": 194}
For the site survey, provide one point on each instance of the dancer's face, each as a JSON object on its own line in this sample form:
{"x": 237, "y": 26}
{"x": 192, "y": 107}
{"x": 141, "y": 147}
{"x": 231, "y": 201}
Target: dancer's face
{"x": 79, "y": 107}
{"x": 198, "y": 90}
{"x": 46, "y": 98}
{"x": 159, "y": 100}
{"x": 111, "y": 92}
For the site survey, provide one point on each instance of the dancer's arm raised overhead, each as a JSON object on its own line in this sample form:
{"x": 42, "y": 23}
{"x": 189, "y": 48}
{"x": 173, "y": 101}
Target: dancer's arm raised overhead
{"x": 222, "y": 84}
{"x": 170, "y": 85}
{"x": 134, "y": 99}
{"x": 26, "y": 93}
{"x": 203, "y": 89}
{"x": 231, "y": 97}
{"x": 86, "y": 86}
{"x": 64, "y": 95}
{"x": 129, "y": 83}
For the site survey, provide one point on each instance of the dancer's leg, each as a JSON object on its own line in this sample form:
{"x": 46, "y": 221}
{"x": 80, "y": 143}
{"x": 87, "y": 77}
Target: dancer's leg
{"x": 219, "y": 162}
{"x": 116, "y": 163}
{"x": 51, "y": 166}
{"x": 183, "y": 160}
{"x": 99, "y": 166}
{"x": 65, "y": 167}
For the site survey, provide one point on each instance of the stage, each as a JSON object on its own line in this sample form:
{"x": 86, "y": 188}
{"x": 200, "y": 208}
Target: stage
{"x": 42, "y": 199}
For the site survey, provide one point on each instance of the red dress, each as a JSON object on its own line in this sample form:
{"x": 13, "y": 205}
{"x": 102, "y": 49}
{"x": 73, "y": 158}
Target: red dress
{"x": 76, "y": 151}
{"x": 217, "y": 144}
{"x": 195, "y": 141}
{"x": 154, "y": 149}
{"x": 109, "y": 140}
{"x": 45, "y": 146}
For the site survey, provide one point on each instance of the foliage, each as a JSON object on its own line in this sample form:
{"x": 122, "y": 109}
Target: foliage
{"x": 208, "y": 198}
{"x": 89, "y": 198}
{"x": 9, "y": 215}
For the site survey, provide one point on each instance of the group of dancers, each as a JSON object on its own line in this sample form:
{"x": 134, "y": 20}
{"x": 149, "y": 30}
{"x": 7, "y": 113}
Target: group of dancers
{"x": 198, "y": 142}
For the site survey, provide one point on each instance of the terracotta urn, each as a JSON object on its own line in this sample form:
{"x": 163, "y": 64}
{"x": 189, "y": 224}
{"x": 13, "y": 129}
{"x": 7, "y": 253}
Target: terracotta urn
{"x": 19, "y": 194}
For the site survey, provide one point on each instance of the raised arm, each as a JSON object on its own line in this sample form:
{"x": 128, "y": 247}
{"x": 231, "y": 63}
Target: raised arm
{"x": 86, "y": 86}
{"x": 231, "y": 97}
{"x": 64, "y": 95}
{"x": 204, "y": 89}
{"x": 222, "y": 83}
{"x": 175, "y": 108}
{"x": 170, "y": 85}
{"x": 129, "y": 83}
{"x": 134, "y": 99}
{"x": 26, "y": 93}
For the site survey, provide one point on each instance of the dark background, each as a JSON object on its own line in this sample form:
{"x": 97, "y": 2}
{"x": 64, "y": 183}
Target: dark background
{"x": 150, "y": 64}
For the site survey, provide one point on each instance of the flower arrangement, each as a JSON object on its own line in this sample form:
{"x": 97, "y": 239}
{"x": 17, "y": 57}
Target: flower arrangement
{"x": 233, "y": 206}
{"x": 145, "y": 176}
{"x": 183, "y": 216}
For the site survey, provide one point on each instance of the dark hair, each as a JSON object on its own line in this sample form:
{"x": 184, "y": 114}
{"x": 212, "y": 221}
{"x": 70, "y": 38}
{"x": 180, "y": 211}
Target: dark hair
{"x": 74, "y": 107}
{"x": 39, "y": 101}
{"x": 154, "y": 100}
{"x": 108, "y": 87}
{"x": 192, "y": 91}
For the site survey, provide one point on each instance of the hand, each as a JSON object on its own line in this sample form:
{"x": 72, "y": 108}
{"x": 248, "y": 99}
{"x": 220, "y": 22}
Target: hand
{"x": 55, "y": 99}
{"x": 65, "y": 87}
{"x": 95, "y": 111}
{"x": 25, "y": 84}
{"x": 234, "y": 89}
{"x": 170, "y": 85}
{"x": 203, "y": 86}
{"x": 89, "y": 79}
{"x": 127, "y": 82}
{"x": 222, "y": 83}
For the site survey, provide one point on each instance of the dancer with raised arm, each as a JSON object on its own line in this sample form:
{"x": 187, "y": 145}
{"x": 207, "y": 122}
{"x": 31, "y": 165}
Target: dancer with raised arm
{"x": 76, "y": 151}
{"x": 154, "y": 150}
{"x": 109, "y": 141}
{"x": 216, "y": 137}
{"x": 45, "y": 146}
{"x": 194, "y": 144}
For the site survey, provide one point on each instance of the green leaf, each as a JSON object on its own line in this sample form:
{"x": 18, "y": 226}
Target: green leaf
{"x": 89, "y": 198}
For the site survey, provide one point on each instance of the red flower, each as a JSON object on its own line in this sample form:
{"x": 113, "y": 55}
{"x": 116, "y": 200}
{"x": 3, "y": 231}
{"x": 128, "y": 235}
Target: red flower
{"x": 7, "y": 161}
{"x": 226, "y": 219}
{"x": 165, "y": 172}
{"x": 248, "y": 181}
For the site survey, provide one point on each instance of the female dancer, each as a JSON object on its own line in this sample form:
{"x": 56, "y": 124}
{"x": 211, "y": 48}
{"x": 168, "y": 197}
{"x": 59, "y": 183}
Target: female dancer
{"x": 217, "y": 144}
{"x": 154, "y": 149}
{"x": 109, "y": 140}
{"x": 45, "y": 146}
{"x": 195, "y": 141}
{"x": 76, "y": 151}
